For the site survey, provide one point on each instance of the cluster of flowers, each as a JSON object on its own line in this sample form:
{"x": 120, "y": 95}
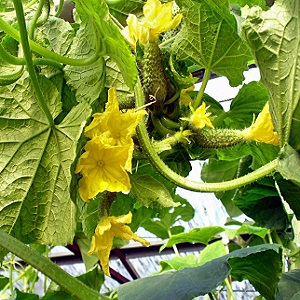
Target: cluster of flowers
{"x": 261, "y": 129}
{"x": 157, "y": 19}
{"x": 108, "y": 155}
{"x": 104, "y": 166}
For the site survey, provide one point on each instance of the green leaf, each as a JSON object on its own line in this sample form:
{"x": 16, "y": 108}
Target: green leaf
{"x": 259, "y": 231}
{"x": 113, "y": 42}
{"x": 218, "y": 171}
{"x": 291, "y": 194}
{"x": 191, "y": 282}
{"x": 93, "y": 279}
{"x": 262, "y": 269}
{"x": 3, "y": 282}
{"x": 84, "y": 246}
{"x": 24, "y": 296}
{"x": 150, "y": 192}
{"x": 249, "y": 101}
{"x": 273, "y": 36}
{"x": 91, "y": 216}
{"x": 196, "y": 235}
{"x": 178, "y": 263}
{"x": 212, "y": 251}
{"x": 289, "y": 286}
{"x": 289, "y": 164}
{"x": 35, "y": 165}
{"x": 164, "y": 223}
{"x": 209, "y": 37}
{"x": 57, "y": 34}
{"x": 87, "y": 81}
{"x": 261, "y": 202}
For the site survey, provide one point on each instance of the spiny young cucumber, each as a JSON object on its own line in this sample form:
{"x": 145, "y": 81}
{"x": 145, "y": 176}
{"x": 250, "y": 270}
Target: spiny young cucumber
{"x": 216, "y": 137}
{"x": 154, "y": 79}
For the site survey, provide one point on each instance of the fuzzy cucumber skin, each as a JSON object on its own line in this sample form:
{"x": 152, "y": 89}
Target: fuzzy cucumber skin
{"x": 154, "y": 80}
{"x": 216, "y": 138}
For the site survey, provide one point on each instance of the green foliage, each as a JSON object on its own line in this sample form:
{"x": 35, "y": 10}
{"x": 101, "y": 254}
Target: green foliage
{"x": 36, "y": 163}
{"x": 46, "y": 103}
{"x": 280, "y": 78}
{"x": 192, "y": 282}
{"x": 209, "y": 37}
{"x": 289, "y": 286}
{"x": 196, "y": 235}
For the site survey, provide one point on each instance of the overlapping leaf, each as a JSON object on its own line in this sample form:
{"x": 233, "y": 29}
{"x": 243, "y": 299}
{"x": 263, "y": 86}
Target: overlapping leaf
{"x": 109, "y": 37}
{"x": 191, "y": 282}
{"x": 87, "y": 81}
{"x": 35, "y": 203}
{"x": 274, "y": 38}
{"x": 209, "y": 37}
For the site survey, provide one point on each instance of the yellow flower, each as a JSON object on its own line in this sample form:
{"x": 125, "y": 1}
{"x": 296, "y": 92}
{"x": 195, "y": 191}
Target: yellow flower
{"x": 103, "y": 168}
{"x": 157, "y": 19}
{"x": 185, "y": 98}
{"x": 113, "y": 123}
{"x": 135, "y": 31}
{"x": 106, "y": 230}
{"x": 262, "y": 129}
{"x": 200, "y": 118}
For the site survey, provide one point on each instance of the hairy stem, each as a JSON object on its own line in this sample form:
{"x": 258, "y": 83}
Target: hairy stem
{"x": 47, "y": 53}
{"x": 28, "y": 57}
{"x": 202, "y": 89}
{"x": 67, "y": 282}
{"x": 183, "y": 182}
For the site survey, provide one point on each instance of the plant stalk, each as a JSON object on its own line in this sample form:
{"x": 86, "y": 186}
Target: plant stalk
{"x": 70, "y": 284}
{"x": 28, "y": 57}
{"x": 183, "y": 182}
{"x": 47, "y": 53}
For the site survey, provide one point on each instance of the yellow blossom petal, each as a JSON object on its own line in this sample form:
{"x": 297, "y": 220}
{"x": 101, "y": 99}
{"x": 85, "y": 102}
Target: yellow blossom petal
{"x": 103, "y": 168}
{"x": 262, "y": 130}
{"x": 107, "y": 229}
{"x": 135, "y": 31}
{"x": 157, "y": 19}
{"x": 200, "y": 117}
{"x": 113, "y": 123}
{"x": 185, "y": 98}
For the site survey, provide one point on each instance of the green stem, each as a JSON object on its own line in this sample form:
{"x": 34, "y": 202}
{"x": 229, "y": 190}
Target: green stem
{"x": 202, "y": 89}
{"x": 28, "y": 57}
{"x": 59, "y": 8}
{"x": 11, "y": 269}
{"x": 229, "y": 290}
{"x": 183, "y": 182}
{"x": 11, "y": 59}
{"x": 70, "y": 284}
{"x": 47, "y": 53}
{"x": 175, "y": 249}
{"x": 35, "y": 18}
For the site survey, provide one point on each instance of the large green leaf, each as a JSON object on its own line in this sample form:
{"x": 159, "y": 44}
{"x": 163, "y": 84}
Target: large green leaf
{"x": 289, "y": 286}
{"x": 261, "y": 202}
{"x": 35, "y": 164}
{"x": 249, "y": 101}
{"x": 218, "y": 171}
{"x": 164, "y": 223}
{"x": 209, "y": 37}
{"x": 86, "y": 81}
{"x": 150, "y": 192}
{"x": 274, "y": 38}
{"x": 289, "y": 164}
{"x": 191, "y": 282}
{"x": 110, "y": 38}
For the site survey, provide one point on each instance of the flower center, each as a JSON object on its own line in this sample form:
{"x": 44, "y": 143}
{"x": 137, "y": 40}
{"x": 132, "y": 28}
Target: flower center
{"x": 100, "y": 163}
